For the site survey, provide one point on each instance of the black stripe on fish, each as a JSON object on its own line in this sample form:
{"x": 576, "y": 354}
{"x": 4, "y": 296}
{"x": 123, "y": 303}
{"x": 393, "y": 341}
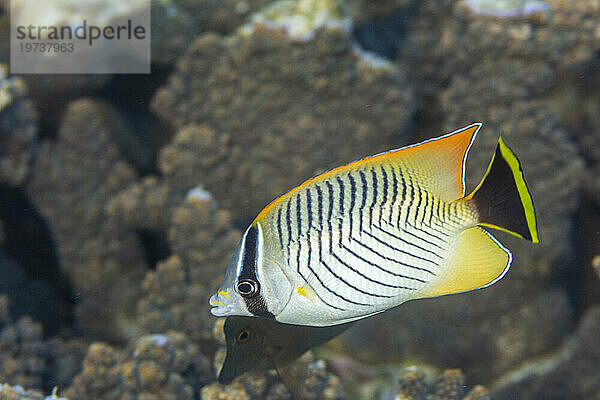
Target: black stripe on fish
{"x": 320, "y": 201}
{"x": 409, "y": 243}
{"x": 249, "y": 254}
{"x": 391, "y": 259}
{"x": 298, "y": 256}
{"x": 299, "y": 215}
{"x": 410, "y": 202}
{"x": 430, "y": 206}
{"x": 363, "y": 188}
{"x": 330, "y": 215}
{"x": 428, "y": 233}
{"x": 309, "y": 208}
{"x": 404, "y": 184}
{"x": 288, "y": 222}
{"x": 341, "y": 185}
{"x": 394, "y": 193}
{"x": 419, "y": 195}
{"x": 385, "y": 192}
{"x": 374, "y": 200}
{"x": 434, "y": 224}
{"x": 352, "y": 199}
{"x": 255, "y": 304}
{"x": 336, "y": 293}
{"x": 404, "y": 252}
{"x": 345, "y": 264}
{"x": 279, "y": 232}
{"x": 412, "y": 278}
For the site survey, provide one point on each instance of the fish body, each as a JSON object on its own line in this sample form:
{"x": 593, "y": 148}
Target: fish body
{"x": 257, "y": 344}
{"x": 375, "y": 233}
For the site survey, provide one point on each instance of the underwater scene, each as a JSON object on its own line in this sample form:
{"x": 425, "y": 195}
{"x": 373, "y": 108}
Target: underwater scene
{"x": 307, "y": 199}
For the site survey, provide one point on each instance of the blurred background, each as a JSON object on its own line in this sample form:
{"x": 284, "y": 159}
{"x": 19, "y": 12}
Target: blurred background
{"x": 122, "y": 197}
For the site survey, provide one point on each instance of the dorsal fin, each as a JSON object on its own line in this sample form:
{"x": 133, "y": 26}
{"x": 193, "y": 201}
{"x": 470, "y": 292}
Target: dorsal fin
{"x": 438, "y": 165}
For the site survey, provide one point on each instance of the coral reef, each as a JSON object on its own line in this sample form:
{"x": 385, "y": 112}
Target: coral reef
{"x": 278, "y": 91}
{"x": 485, "y": 332}
{"x": 176, "y": 23}
{"x": 160, "y": 366}
{"x": 171, "y": 299}
{"x": 449, "y": 385}
{"x": 501, "y": 71}
{"x": 150, "y": 202}
{"x": 65, "y": 357}
{"x": 71, "y": 182}
{"x": 363, "y": 11}
{"x": 23, "y": 353}
{"x": 317, "y": 384}
{"x": 271, "y": 83}
{"x": 571, "y": 373}
{"x": 201, "y": 235}
{"x": 18, "y": 129}
{"x": 31, "y": 296}
{"x": 300, "y": 19}
{"x": 8, "y": 392}
{"x": 202, "y": 240}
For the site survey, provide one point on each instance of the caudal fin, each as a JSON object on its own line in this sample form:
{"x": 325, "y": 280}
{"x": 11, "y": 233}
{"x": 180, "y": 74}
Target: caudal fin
{"x": 502, "y": 198}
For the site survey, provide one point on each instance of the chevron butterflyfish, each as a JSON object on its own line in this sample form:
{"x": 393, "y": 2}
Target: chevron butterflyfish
{"x": 372, "y": 234}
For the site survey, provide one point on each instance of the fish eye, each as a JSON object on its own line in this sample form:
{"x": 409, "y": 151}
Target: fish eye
{"x": 247, "y": 287}
{"x": 243, "y": 336}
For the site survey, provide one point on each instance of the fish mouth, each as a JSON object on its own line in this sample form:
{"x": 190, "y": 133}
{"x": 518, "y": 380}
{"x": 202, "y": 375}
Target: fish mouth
{"x": 221, "y": 305}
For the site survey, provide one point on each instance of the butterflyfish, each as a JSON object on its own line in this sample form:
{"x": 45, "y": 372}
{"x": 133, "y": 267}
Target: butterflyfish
{"x": 258, "y": 344}
{"x": 372, "y": 234}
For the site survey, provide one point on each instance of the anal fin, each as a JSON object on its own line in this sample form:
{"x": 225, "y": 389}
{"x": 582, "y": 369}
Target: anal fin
{"x": 478, "y": 260}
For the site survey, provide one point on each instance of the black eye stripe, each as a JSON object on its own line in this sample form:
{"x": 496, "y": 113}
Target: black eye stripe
{"x": 249, "y": 255}
{"x": 256, "y": 303}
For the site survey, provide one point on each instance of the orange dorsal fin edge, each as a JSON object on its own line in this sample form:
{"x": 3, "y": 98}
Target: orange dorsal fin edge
{"x": 436, "y": 165}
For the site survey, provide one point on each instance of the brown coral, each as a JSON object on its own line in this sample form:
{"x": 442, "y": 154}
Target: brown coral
{"x": 72, "y": 180}
{"x": 317, "y": 384}
{"x": 278, "y": 137}
{"x": 159, "y": 367}
{"x": 23, "y": 352}
{"x": 449, "y": 385}
{"x": 570, "y": 373}
{"x": 485, "y": 332}
{"x": 201, "y": 235}
{"x": 175, "y": 295}
{"x": 171, "y": 299}
{"x": 8, "y": 392}
{"x": 18, "y": 129}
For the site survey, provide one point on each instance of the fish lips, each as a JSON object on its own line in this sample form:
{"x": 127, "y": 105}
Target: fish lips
{"x": 224, "y": 304}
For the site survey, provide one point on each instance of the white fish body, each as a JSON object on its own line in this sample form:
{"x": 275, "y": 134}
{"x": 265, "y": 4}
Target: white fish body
{"x": 375, "y": 233}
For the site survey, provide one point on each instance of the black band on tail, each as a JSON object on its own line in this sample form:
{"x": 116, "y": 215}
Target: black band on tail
{"x": 502, "y": 199}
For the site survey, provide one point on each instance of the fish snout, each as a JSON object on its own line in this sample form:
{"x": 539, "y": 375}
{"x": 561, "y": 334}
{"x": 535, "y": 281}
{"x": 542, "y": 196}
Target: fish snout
{"x": 224, "y": 305}
{"x": 220, "y": 303}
